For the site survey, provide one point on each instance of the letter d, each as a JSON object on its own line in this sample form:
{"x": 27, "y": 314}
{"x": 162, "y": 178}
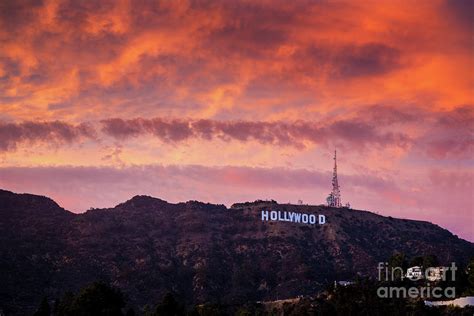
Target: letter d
{"x": 322, "y": 219}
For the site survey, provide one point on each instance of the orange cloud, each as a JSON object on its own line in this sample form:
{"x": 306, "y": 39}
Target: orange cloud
{"x": 207, "y": 59}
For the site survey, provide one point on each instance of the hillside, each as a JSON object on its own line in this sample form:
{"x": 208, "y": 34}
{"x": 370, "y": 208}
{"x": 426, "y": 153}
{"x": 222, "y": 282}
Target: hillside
{"x": 204, "y": 252}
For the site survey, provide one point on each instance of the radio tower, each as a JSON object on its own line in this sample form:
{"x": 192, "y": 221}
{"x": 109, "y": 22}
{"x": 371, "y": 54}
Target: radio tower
{"x": 334, "y": 199}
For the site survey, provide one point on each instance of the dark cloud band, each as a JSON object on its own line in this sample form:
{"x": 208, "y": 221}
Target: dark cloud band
{"x": 274, "y": 133}
{"x": 446, "y": 134}
{"x": 54, "y": 133}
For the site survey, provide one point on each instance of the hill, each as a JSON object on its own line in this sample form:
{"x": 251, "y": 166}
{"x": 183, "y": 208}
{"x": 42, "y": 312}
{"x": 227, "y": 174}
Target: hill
{"x": 203, "y": 252}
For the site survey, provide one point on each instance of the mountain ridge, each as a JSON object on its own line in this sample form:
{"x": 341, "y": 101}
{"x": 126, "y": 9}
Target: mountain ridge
{"x": 140, "y": 198}
{"x": 205, "y": 252}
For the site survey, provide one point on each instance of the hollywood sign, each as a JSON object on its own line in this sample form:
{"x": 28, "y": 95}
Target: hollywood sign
{"x": 294, "y": 217}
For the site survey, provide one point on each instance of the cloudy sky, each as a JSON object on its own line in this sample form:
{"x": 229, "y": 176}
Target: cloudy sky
{"x": 227, "y": 101}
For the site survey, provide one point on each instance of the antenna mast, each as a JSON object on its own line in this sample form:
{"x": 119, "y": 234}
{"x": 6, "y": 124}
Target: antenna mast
{"x": 334, "y": 199}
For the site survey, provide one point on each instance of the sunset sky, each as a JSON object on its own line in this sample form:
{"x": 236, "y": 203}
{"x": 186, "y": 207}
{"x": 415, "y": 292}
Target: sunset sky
{"x": 231, "y": 101}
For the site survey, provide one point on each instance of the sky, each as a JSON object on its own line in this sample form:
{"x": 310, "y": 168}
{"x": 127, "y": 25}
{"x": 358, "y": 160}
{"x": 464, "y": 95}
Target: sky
{"x": 232, "y": 101}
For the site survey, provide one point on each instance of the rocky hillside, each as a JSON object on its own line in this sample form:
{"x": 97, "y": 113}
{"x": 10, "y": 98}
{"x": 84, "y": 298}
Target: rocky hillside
{"x": 204, "y": 252}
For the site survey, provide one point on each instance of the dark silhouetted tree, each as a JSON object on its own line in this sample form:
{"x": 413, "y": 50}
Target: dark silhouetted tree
{"x": 130, "y": 312}
{"x": 417, "y": 261}
{"x": 169, "y": 307}
{"x": 44, "y": 309}
{"x": 470, "y": 278}
{"x": 398, "y": 260}
{"x": 430, "y": 261}
{"x": 98, "y": 299}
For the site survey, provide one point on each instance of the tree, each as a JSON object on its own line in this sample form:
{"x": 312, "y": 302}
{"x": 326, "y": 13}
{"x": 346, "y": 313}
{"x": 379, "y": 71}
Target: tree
{"x": 398, "y": 260}
{"x": 430, "y": 261}
{"x": 211, "y": 310}
{"x": 169, "y": 307}
{"x": 417, "y": 261}
{"x": 63, "y": 306}
{"x": 44, "y": 309}
{"x": 94, "y": 300}
{"x": 130, "y": 312}
{"x": 470, "y": 277}
{"x": 99, "y": 299}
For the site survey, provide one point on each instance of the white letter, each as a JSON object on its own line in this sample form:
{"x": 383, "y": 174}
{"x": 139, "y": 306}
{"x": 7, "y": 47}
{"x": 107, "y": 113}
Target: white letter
{"x": 273, "y": 215}
{"x": 436, "y": 289}
{"x": 264, "y": 215}
{"x": 297, "y": 217}
{"x": 322, "y": 219}
{"x": 453, "y": 271}
{"x": 312, "y": 219}
{"x": 292, "y": 215}
{"x": 399, "y": 291}
{"x": 413, "y": 292}
{"x": 304, "y": 218}
{"x": 452, "y": 290}
{"x": 380, "y": 268}
{"x": 384, "y": 290}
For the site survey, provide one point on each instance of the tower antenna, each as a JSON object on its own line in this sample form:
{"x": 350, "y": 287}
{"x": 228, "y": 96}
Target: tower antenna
{"x": 334, "y": 198}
